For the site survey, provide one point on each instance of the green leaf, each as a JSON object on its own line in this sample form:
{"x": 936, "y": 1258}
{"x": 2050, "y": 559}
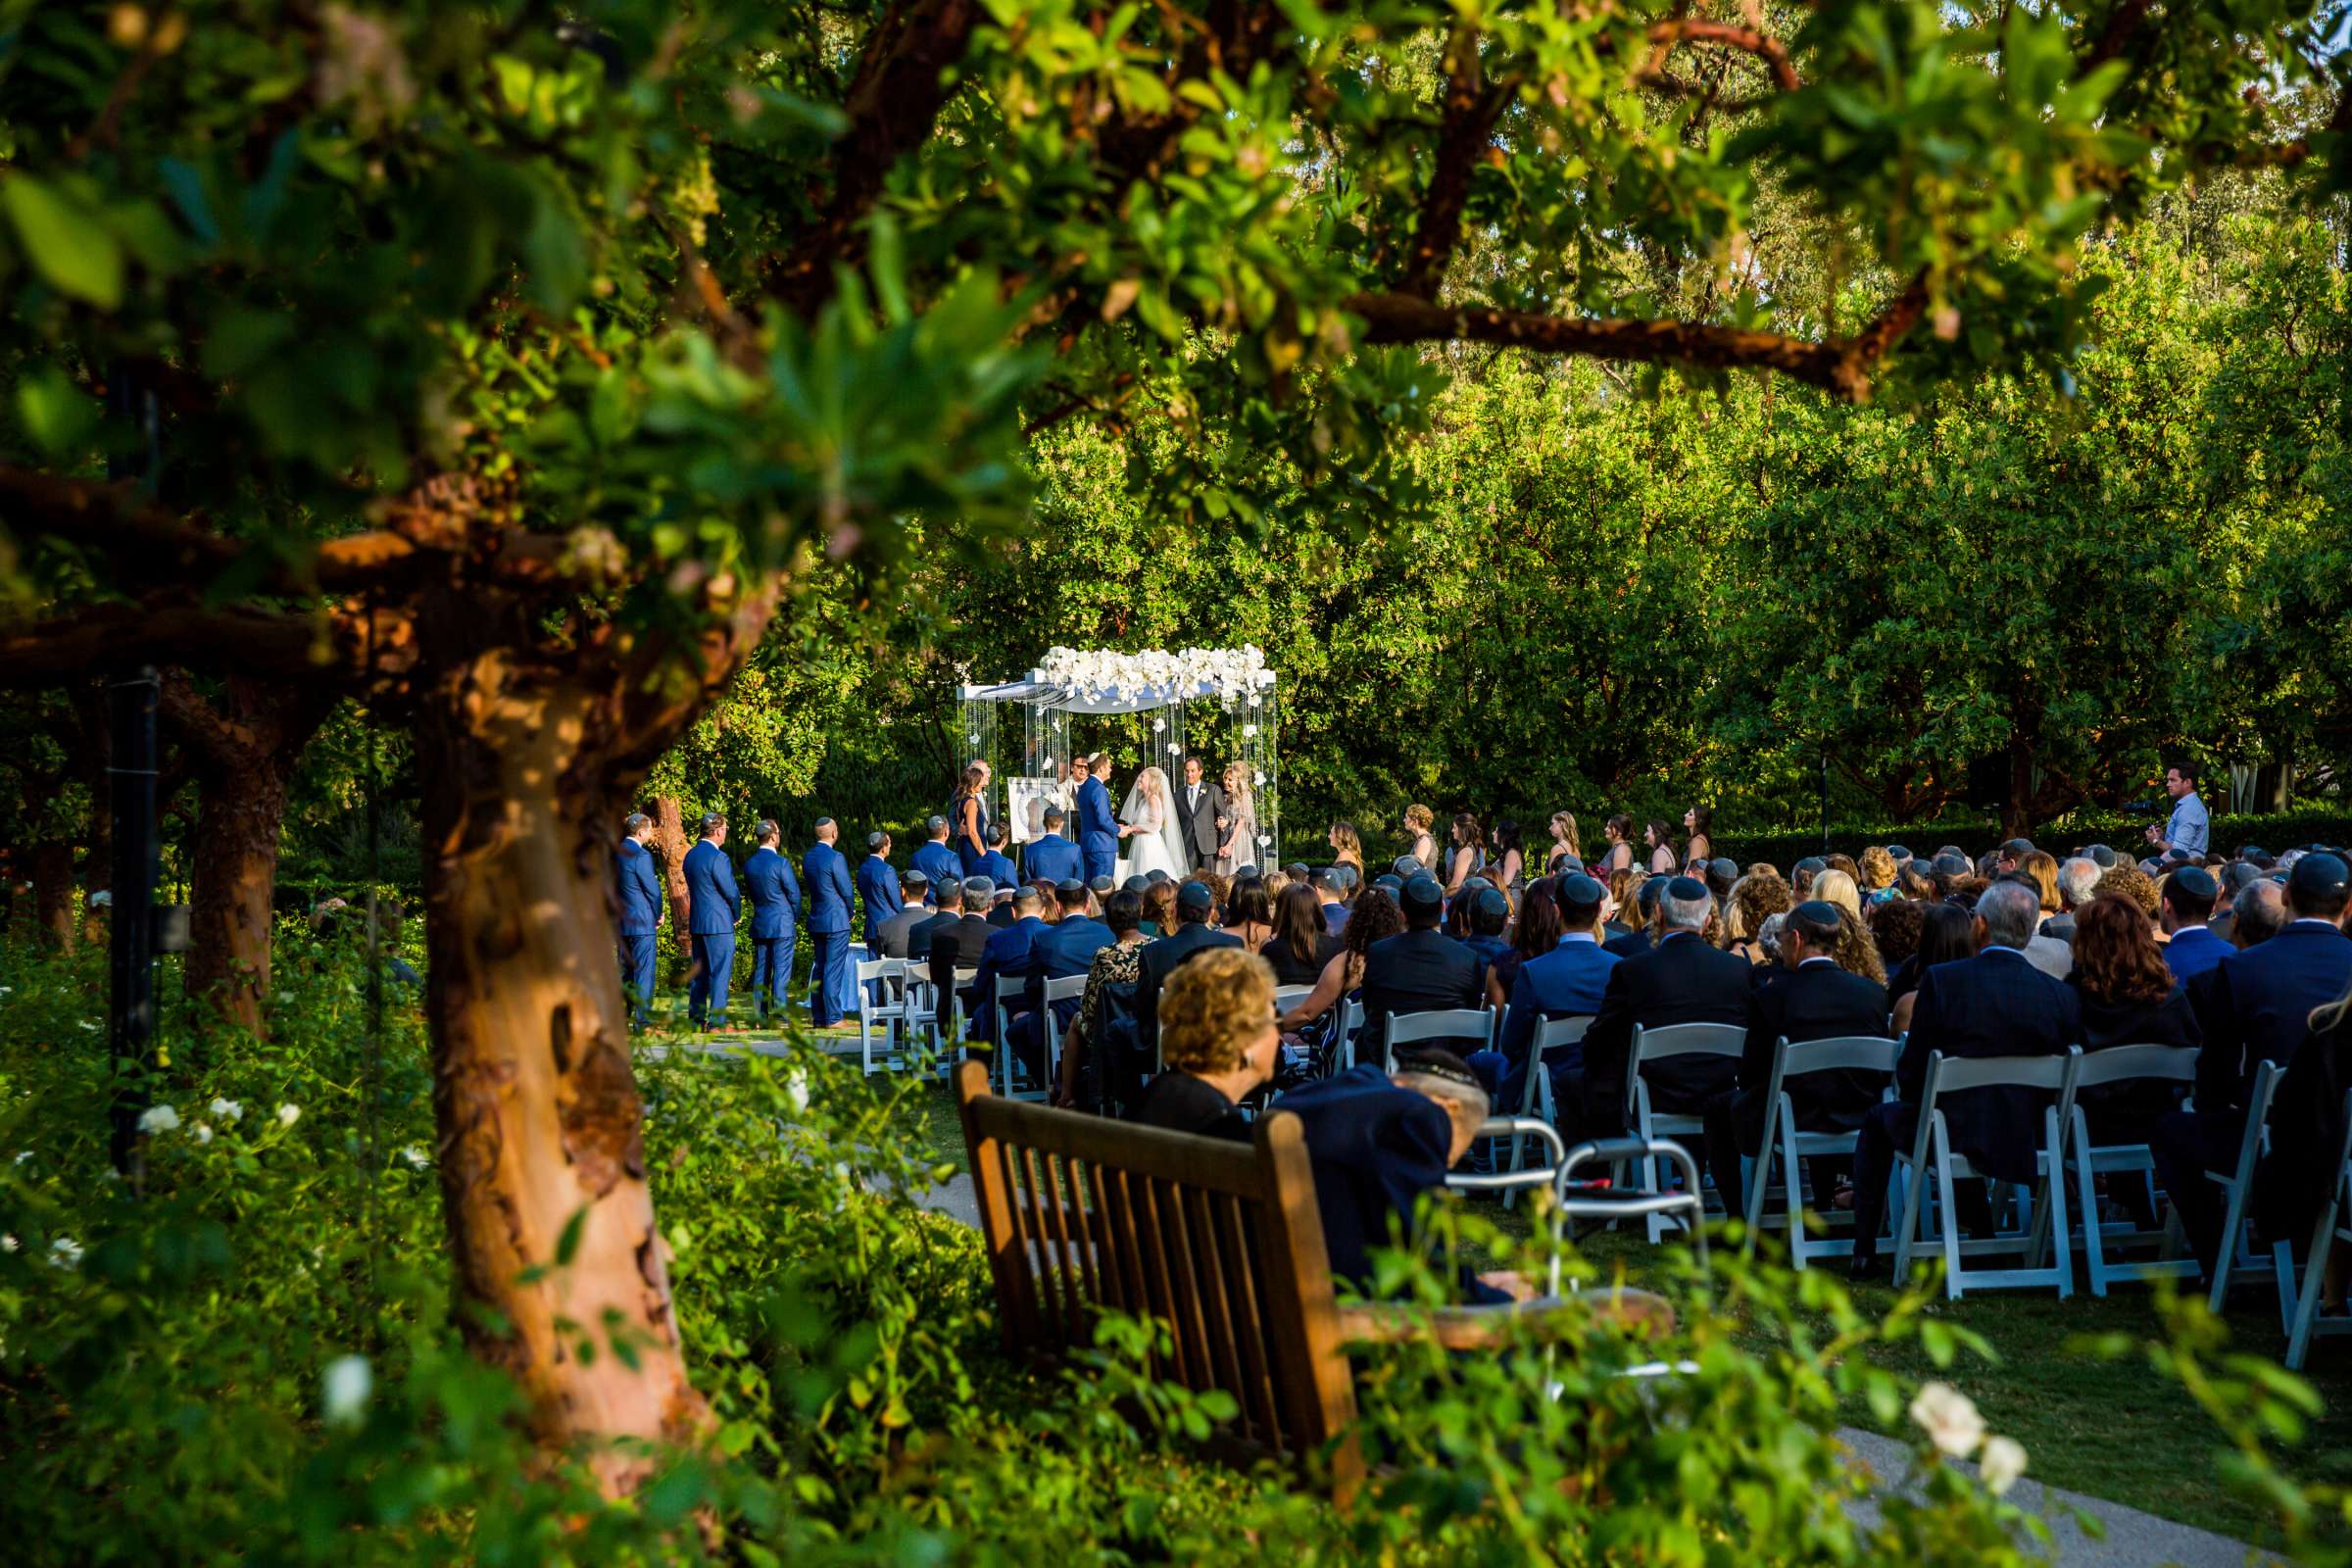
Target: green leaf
{"x": 57, "y": 415}
{"x": 567, "y": 1245}
{"x": 66, "y": 243}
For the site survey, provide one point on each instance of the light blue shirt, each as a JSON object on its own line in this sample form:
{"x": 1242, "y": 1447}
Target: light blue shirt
{"x": 2191, "y": 828}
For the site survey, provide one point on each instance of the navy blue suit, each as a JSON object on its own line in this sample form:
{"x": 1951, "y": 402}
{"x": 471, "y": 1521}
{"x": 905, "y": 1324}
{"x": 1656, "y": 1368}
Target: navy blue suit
{"x": 1054, "y": 859}
{"x": 832, "y": 984}
{"x": 1375, "y": 1149}
{"x": 713, "y": 908}
{"x": 1567, "y": 982}
{"x": 997, "y": 869}
{"x": 878, "y": 886}
{"x": 2192, "y": 951}
{"x": 775, "y": 908}
{"x": 1334, "y": 918}
{"x": 640, "y": 886}
{"x": 1098, "y": 828}
{"x": 937, "y": 861}
{"x": 1010, "y": 955}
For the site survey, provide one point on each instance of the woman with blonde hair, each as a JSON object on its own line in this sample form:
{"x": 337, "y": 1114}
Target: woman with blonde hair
{"x": 1217, "y": 1044}
{"x": 1856, "y": 952}
{"x": 1755, "y": 898}
{"x": 1563, "y": 843}
{"x": 1877, "y": 874}
{"x": 1239, "y": 845}
{"x": 1347, "y": 845}
{"x": 1419, "y": 819}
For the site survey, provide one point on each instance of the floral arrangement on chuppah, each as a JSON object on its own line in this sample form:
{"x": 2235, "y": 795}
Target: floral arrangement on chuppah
{"x": 1231, "y": 674}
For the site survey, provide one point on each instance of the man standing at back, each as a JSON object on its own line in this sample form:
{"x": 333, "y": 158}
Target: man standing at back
{"x": 832, "y": 990}
{"x": 1993, "y": 1005}
{"x": 715, "y": 906}
{"x": 2190, "y": 831}
{"x": 775, "y": 908}
{"x": 1050, "y": 857}
{"x": 1422, "y": 970}
{"x": 640, "y": 885}
{"x": 1097, "y": 825}
{"x": 936, "y": 860}
{"x": 878, "y": 888}
{"x": 1683, "y": 979}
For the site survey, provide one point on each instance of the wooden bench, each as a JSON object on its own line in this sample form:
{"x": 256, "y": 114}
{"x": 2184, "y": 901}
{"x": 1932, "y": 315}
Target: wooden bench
{"x": 1220, "y": 1240}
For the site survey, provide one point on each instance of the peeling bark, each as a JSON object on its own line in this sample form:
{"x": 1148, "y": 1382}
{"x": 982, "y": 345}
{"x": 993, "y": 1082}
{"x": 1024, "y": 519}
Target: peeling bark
{"x": 670, "y": 844}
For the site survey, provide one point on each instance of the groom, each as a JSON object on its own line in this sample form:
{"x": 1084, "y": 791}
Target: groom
{"x": 1097, "y": 825}
{"x": 1199, "y": 811}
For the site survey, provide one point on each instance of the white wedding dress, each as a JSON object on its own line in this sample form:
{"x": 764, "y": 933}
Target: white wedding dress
{"x": 1153, "y": 846}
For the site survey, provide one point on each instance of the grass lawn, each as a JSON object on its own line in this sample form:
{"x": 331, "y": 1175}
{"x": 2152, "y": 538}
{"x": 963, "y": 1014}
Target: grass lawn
{"x": 2112, "y": 1429}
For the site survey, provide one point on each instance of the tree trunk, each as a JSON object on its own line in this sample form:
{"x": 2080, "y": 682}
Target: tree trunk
{"x": 2018, "y": 802}
{"x": 95, "y": 750}
{"x": 52, "y": 893}
{"x": 232, "y": 885}
{"x": 551, "y": 1222}
{"x": 670, "y": 841}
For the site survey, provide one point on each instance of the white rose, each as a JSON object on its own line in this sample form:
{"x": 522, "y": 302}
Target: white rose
{"x": 204, "y": 1131}
{"x": 288, "y": 1114}
{"x": 2003, "y": 1462}
{"x": 65, "y": 1252}
{"x": 416, "y": 1158}
{"x": 7, "y": 1244}
{"x": 344, "y": 1390}
{"x": 1949, "y": 1418}
{"x": 159, "y": 1119}
{"x": 225, "y": 1109}
{"x": 796, "y": 1091}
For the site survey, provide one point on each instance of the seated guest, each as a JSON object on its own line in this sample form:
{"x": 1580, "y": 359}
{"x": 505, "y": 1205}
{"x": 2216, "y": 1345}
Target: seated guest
{"x": 2077, "y": 885}
{"x": 1621, "y": 912}
{"x": 1947, "y": 934}
{"x": 1686, "y": 979}
{"x": 1250, "y": 914}
{"x": 1196, "y": 906}
{"x": 1050, "y": 857}
{"x": 2307, "y": 1132}
{"x": 1010, "y": 955}
{"x": 1302, "y": 943}
{"x": 1217, "y": 1042}
{"x": 1067, "y": 950}
{"x": 1118, "y": 964}
{"x": 1567, "y": 982}
{"x": 1640, "y": 937}
{"x": 1160, "y": 908}
{"x": 2233, "y": 878}
{"x": 2253, "y": 1006}
{"x": 1801, "y": 875}
{"x": 1895, "y": 926}
{"x": 2127, "y": 998}
{"x": 1807, "y": 997}
{"x": 2134, "y": 884}
{"x": 1331, "y": 893}
{"x": 1534, "y": 934}
{"x": 2190, "y": 947}
{"x": 1489, "y": 916}
{"x": 1993, "y": 1005}
{"x": 1855, "y": 951}
{"x": 957, "y": 939}
{"x": 1755, "y": 897}
{"x": 1918, "y": 884}
{"x": 1375, "y": 920}
{"x": 1877, "y": 874}
{"x": 1378, "y": 1143}
{"x": 896, "y": 937}
{"x": 1423, "y": 970}
{"x": 2257, "y": 914}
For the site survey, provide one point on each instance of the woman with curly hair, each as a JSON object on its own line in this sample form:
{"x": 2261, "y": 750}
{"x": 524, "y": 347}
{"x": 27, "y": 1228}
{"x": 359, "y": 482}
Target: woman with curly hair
{"x": 1419, "y": 819}
{"x": 1755, "y": 898}
{"x": 1894, "y": 927}
{"x": 2128, "y": 998}
{"x": 2130, "y": 882}
{"x": 1877, "y": 874}
{"x": 1217, "y": 1043}
{"x": 1855, "y": 952}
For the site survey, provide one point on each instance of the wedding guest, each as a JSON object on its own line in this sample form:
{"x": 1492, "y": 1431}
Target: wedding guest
{"x": 1116, "y": 965}
{"x": 1302, "y": 943}
{"x": 2077, "y": 885}
{"x": 2307, "y": 1132}
{"x": 1418, "y": 821}
{"x": 1510, "y": 855}
{"x": 1641, "y": 935}
{"x": 2190, "y": 947}
{"x": 1568, "y": 981}
{"x": 1488, "y": 919}
{"x": 995, "y": 864}
{"x": 1236, "y": 825}
{"x": 2189, "y": 832}
{"x": 959, "y": 938}
{"x": 1536, "y": 932}
{"x": 1007, "y": 963}
{"x": 936, "y": 860}
{"x": 1563, "y": 854}
{"x": 968, "y": 820}
{"x": 1658, "y": 839}
{"x": 712, "y": 907}
{"x": 1331, "y": 888}
{"x": 1050, "y": 857}
{"x": 1877, "y": 874}
{"x": 1802, "y": 873}
{"x": 2127, "y": 998}
{"x": 832, "y": 978}
{"x": 1894, "y": 927}
{"x": 1160, "y": 908}
{"x": 1947, "y": 934}
{"x": 639, "y": 880}
{"x": 775, "y": 895}
{"x": 1422, "y": 970}
{"x": 877, "y": 888}
{"x": 1347, "y": 845}
{"x": 898, "y": 937}
{"x": 1249, "y": 915}
{"x": 2134, "y": 884}
{"x": 1621, "y": 914}
{"x": 1754, "y": 899}
{"x": 1721, "y": 875}
{"x": 1065, "y": 951}
{"x": 1686, "y": 979}
{"x": 2040, "y": 867}
{"x": 1618, "y": 830}
{"x": 1375, "y": 919}
{"x": 1699, "y": 821}
{"x": 1918, "y": 884}
{"x": 1195, "y": 909}
{"x": 1217, "y": 1044}
{"x": 1846, "y": 865}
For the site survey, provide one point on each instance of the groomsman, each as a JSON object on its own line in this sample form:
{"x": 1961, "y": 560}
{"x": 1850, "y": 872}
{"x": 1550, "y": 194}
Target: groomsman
{"x": 878, "y": 886}
{"x": 832, "y": 989}
{"x": 936, "y": 860}
{"x": 713, "y": 907}
{"x": 775, "y": 908}
{"x": 1097, "y": 823}
{"x": 1199, "y": 807}
{"x": 995, "y": 866}
{"x": 640, "y": 883}
{"x": 1051, "y": 857}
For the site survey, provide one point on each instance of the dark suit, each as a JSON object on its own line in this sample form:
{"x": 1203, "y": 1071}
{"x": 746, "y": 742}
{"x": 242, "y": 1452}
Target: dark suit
{"x": 2253, "y": 1006}
{"x": 1011, "y": 954}
{"x": 1632, "y": 945}
{"x": 956, "y": 943}
{"x": 1818, "y": 1002}
{"x": 997, "y": 869}
{"x": 1064, "y": 951}
{"x": 640, "y": 887}
{"x": 1334, "y": 918}
{"x": 1993, "y": 1005}
{"x": 1160, "y": 960}
{"x": 775, "y": 908}
{"x": 1419, "y": 971}
{"x": 2307, "y": 1131}
{"x": 1682, "y": 980}
{"x": 1567, "y": 982}
{"x": 713, "y": 906}
{"x": 1097, "y": 829}
{"x": 1184, "y": 1104}
{"x": 878, "y": 889}
{"x": 1052, "y": 858}
{"x": 1197, "y": 820}
{"x": 832, "y": 981}
{"x": 1375, "y": 1149}
{"x": 898, "y": 937}
{"x": 937, "y": 861}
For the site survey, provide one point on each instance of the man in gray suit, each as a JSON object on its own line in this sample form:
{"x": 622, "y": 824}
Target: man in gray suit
{"x": 1200, "y": 813}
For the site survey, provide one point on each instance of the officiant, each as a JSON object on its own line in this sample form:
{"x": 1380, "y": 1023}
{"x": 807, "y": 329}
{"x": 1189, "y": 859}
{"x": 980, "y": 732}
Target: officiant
{"x": 1200, "y": 809}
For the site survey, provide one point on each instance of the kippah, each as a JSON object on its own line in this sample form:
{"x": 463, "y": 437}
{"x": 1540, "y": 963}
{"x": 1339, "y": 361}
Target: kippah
{"x": 2196, "y": 882}
{"x": 1683, "y": 889}
{"x": 1388, "y": 882}
{"x": 1103, "y": 884}
{"x": 1431, "y": 1062}
{"x": 1579, "y": 892}
{"x": 2318, "y": 874}
{"x": 950, "y": 887}
{"x": 915, "y": 879}
{"x": 1137, "y": 884}
{"x": 1490, "y": 902}
{"x": 1069, "y": 884}
{"x": 1423, "y": 892}
{"x": 980, "y": 886}
{"x": 1195, "y": 896}
{"x": 1817, "y": 912}
{"x": 1156, "y": 877}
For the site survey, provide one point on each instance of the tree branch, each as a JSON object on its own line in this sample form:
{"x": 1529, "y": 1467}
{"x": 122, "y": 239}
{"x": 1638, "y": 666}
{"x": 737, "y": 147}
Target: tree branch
{"x": 332, "y": 648}
{"x": 1747, "y": 40}
{"x": 1471, "y": 109}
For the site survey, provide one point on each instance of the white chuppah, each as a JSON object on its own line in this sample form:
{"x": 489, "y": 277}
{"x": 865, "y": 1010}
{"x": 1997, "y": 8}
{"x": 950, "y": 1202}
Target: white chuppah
{"x": 1147, "y": 710}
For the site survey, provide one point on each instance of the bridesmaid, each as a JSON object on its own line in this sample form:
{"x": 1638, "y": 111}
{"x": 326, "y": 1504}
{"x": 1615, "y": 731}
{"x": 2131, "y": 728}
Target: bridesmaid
{"x": 1564, "y": 849}
{"x": 1661, "y": 839}
{"x": 967, "y": 819}
{"x": 1619, "y": 831}
{"x": 1239, "y": 845}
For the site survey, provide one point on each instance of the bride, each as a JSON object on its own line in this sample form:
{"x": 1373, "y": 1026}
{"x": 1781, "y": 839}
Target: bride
{"x": 1154, "y": 842}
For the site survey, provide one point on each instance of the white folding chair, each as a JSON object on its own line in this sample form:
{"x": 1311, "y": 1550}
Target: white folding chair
{"x": 2329, "y": 1230}
{"x": 1473, "y": 1024}
{"x": 1512, "y": 1182}
{"x": 2038, "y": 1220}
{"x": 1001, "y": 1065}
{"x": 960, "y": 1022}
{"x": 1288, "y": 997}
{"x": 880, "y": 1006}
{"x": 1070, "y": 988}
{"x": 1351, "y": 1024}
{"x": 1792, "y": 1145}
{"x": 2114, "y": 1065}
{"x": 2237, "y": 1255}
{"x": 1661, "y": 1044}
{"x": 1536, "y": 1099}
